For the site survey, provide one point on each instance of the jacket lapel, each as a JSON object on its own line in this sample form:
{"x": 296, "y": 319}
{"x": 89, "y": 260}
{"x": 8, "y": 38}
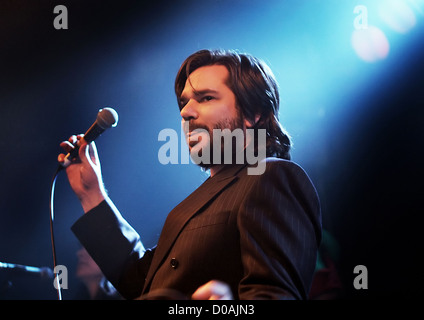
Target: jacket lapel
{"x": 183, "y": 212}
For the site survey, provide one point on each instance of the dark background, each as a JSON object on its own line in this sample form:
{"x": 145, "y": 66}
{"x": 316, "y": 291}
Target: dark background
{"x": 356, "y": 126}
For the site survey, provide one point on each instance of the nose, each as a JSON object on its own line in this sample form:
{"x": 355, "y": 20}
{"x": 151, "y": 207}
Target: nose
{"x": 189, "y": 111}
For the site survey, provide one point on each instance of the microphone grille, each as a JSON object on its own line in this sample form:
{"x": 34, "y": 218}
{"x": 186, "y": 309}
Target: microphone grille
{"x": 107, "y": 117}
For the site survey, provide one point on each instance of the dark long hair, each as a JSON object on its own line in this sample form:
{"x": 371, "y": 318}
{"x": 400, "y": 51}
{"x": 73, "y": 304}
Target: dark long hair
{"x": 254, "y": 87}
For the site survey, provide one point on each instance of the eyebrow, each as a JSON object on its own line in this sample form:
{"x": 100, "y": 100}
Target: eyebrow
{"x": 197, "y": 93}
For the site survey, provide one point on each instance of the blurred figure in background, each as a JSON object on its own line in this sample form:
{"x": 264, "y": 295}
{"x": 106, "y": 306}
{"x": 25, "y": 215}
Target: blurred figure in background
{"x": 326, "y": 284}
{"x": 95, "y": 285}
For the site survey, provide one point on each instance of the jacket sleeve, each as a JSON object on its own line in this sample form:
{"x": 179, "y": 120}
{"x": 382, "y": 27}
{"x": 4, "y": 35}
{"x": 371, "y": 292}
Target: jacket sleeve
{"x": 280, "y": 231}
{"x": 116, "y": 247}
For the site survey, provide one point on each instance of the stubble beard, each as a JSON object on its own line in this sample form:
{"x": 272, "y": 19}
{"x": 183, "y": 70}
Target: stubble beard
{"x": 205, "y": 141}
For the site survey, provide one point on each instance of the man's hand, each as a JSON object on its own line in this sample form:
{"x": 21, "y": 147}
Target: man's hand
{"x": 84, "y": 173}
{"x": 213, "y": 290}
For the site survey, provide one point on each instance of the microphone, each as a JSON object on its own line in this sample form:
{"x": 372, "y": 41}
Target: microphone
{"x": 18, "y": 270}
{"x": 106, "y": 118}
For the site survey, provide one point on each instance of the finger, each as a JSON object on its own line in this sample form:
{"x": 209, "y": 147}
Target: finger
{"x": 76, "y": 140}
{"x": 213, "y": 290}
{"x": 67, "y": 146}
{"x": 219, "y": 290}
{"x": 70, "y": 144}
{"x": 205, "y": 292}
{"x": 80, "y": 139}
{"x": 66, "y": 161}
{"x": 202, "y": 293}
{"x": 61, "y": 158}
{"x": 73, "y": 139}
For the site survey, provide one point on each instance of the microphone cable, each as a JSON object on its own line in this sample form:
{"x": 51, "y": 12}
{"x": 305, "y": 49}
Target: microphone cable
{"x": 106, "y": 118}
{"x": 52, "y": 187}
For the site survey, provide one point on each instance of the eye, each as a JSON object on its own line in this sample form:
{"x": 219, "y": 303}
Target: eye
{"x": 207, "y": 98}
{"x": 182, "y": 103}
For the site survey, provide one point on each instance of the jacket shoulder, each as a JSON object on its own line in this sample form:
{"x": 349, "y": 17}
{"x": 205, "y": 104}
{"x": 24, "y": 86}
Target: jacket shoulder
{"x": 271, "y": 166}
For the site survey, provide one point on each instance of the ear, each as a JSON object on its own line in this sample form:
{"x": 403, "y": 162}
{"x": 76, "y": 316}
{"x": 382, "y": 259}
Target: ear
{"x": 250, "y": 124}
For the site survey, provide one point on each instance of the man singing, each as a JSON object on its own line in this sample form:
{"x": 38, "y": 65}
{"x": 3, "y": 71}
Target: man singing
{"x": 239, "y": 235}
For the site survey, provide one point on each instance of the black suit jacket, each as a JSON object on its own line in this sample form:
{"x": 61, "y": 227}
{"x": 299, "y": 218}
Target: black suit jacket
{"x": 258, "y": 233}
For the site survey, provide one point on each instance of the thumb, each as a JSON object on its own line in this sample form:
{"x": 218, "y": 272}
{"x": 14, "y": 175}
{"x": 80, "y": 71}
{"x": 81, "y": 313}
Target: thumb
{"x": 88, "y": 154}
{"x": 82, "y": 152}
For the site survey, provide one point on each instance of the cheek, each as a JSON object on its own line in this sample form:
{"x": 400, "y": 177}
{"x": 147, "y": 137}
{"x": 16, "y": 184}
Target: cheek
{"x": 219, "y": 111}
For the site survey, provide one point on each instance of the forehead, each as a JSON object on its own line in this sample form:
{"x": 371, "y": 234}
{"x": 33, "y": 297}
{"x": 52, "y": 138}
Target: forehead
{"x": 207, "y": 77}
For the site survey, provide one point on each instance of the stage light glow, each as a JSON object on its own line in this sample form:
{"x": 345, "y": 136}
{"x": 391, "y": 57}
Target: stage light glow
{"x": 397, "y": 15}
{"x": 370, "y": 44}
{"x": 417, "y": 5}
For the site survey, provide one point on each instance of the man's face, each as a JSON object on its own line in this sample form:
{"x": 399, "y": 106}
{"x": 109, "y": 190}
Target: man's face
{"x": 207, "y": 103}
